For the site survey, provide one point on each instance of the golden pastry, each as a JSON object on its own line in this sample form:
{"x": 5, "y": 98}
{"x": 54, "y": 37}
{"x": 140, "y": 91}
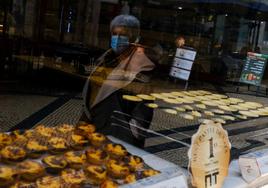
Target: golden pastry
{"x": 57, "y": 144}
{"x": 149, "y": 173}
{"x": 188, "y": 107}
{"x": 35, "y": 148}
{"x": 227, "y": 108}
{"x": 96, "y": 156}
{"x": 170, "y": 111}
{"x": 7, "y": 176}
{"x": 23, "y": 184}
{"x": 131, "y": 178}
{"x": 65, "y": 129}
{"x": 187, "y": 116}
{"x": 151, "y": 105}
{"x": 75, "y": 159}
{"x": 134, "y": 162}
{"x": 5, "y": 140}
{"x": 97, "y": 139}
{"x": 54, "y": 164}
{"x": 146, "y": 97}
{"x": 132, "y": 98}
{"x": 157, "y": 95}
{"x": 248, "y": 114}
{"x": 84, "y": 129}
{"x": 180, "y": 109}
{"x": 109, "y": 184}
{"x": 219, "y": 120}
{"x": 235, "y": 100}
{"x": 96, "y": 174}
{"x": 30, "y": 170}
{"x": 228, "y": 117}
{"x": 73, "y": 178}
{"x": 78, "y": 141}
{"x": 196, "y": 114}
{"x": 44, "y": 131}
{"x": 48, "y": 182}
{"x": 117, "y": 169}
{"x": 171, "y": 101}
{"x": 201, "y": 106}
{"x": 12, "y": 154}
{"x": 116, "y": 150}
{"x": 208, "y": 113}
{"x": 217, "y": 111}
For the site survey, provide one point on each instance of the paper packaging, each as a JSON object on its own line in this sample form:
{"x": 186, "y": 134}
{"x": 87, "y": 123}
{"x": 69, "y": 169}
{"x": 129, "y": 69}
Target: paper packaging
{"x": 254, "y": 165}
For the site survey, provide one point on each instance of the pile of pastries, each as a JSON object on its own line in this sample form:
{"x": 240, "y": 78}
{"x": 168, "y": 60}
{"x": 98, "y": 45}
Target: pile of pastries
{"x": 66, "y": 156}
{"x": 201, "y": 105}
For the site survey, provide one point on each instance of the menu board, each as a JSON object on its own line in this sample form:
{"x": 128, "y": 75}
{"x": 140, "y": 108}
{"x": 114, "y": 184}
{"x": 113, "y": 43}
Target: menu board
{"x": 254, "y": 68}
{"x": 182, "y": 63}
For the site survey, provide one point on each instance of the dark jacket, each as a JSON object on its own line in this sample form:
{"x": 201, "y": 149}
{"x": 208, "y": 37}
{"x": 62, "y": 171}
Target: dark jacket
{"x": 126, "y": 74}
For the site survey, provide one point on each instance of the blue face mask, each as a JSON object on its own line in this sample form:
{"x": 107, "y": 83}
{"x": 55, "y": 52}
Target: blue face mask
{"x": 119, "y": 43}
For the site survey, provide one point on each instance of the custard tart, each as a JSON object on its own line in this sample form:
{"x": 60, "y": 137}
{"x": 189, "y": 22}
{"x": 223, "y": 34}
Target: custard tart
{"x": 7, "y": 176}
{"x": 97, "y": 139}
{"x": 96, "y": 156}
{"x": 116, "y": 150}
{"x": 84, "y": 128}
{"x": 54, "y": 164}
{"x": 149, "y": 173}
{"x": 30, "y": 170}
{"x": 43, "y": 131}
{"x": 96, "y": 174}
{"x": 35, "y": 149}
{"x": 5, "y": 140}
{"x": 134, "y": 162}
{"x": 75, "y": 159}
{"x": 72, "y": 178}
{"x": 117, "y": 169}
{"x": 57, "y": 144}
{"x": 78, "y": 141}
{"x": 48, "y": 182}
{"x": 12, "y": 154}
{"x": 109, "y": 184}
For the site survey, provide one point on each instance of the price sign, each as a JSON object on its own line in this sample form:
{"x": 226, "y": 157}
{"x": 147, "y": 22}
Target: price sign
{"x": 209, "y": 156}
{"x": 253, "y": 69}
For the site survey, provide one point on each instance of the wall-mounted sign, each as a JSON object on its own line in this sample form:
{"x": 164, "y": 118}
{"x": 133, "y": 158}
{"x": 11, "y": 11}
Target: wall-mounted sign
{"x": 254, "y": 68}
{"x": 209, "y": 156}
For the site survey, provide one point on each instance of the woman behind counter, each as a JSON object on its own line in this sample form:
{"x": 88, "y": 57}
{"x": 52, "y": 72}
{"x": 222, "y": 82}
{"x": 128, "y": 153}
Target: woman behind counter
{"x": 123, "y": 69}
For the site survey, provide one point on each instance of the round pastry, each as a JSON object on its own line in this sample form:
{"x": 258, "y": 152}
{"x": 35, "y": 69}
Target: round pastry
{"x": 187, "y": 116}
{"x": 134, "y": 162}
{"x": 235, "y": 100}
{"x": 180, "y": 109}
{"x": 196, "y": 114}
{"x": 108, "y": 184}
{"x": 248, "y": 114}
{"x": 97, "y": 139}
{"x": 116, "y": 150}
{"x": 146, "y": 97}
{"x": 30, "y": 170}
{"x": 84, "y": 129}
{"x": 65, "y": 129}
{"x": 29, "y": 133}
{"x": 167, "y": 95}
{"x": 149, "y": 173}
{"x": 57, "y": 144}
{"x": 12, "y": 154}
{"x": 48, "y": 182}
{"x": 96, "y": 174}
{"x": 177, "y": 94}
{"x": 44, "y": 131}
{"x": 35, "y": 148}
{"x": 239, "y": 107}
{"x": 217, "y": 111}
{"x": 5, "y": 140}
{"x": 54, "y": 164}
{"x": 170, "y": 111}
{"x": 157, "y": 95}
{"x": 22, "y": 184}
{"x": 117, "y": 169}
{"x": 205, "y": 121}
{"x": 131, "y": 178}
{"x": 132, "y": 98}
{"x": 78, "y": 141}
{"x": 219, "y": 120}
{"x": 7, "y": 176}
{"x": 208, "y": 113}
{"x": 201, "y": 106}
{"x": 210, "y": 103}
{"x": 75, "y": 159}
{"x": 227, "y": 108}
{"x": 171, "y": 101}
{"x": 96, "y": 156}
{"x": 254, "y": 104}
{"x": 151, "y": 105}
{"x": 227, "y": 117}
{"x": 188, "y": 107}
{"x": 73, "y": 178}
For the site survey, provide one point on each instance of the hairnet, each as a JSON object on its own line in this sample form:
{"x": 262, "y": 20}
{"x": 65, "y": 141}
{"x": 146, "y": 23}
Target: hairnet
{"x": 129, "y": 22}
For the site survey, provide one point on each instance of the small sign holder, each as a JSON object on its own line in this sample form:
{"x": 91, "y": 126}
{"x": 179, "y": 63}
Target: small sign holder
{"x": 209, "y": 156}
{"x": 182, "y": 64}
{"x": 253, "y": 70}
